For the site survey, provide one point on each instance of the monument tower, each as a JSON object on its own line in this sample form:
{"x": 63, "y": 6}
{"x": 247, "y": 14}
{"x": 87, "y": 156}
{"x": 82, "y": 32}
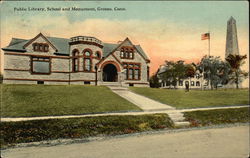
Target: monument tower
{"x": 232, "y": 40}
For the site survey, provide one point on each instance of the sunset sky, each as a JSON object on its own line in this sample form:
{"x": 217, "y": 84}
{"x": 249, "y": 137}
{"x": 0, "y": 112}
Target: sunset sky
{"x": 165, "y": 30}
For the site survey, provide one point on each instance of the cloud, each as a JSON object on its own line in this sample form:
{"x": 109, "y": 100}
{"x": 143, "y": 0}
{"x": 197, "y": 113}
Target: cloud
{"x": 160, "y": 39}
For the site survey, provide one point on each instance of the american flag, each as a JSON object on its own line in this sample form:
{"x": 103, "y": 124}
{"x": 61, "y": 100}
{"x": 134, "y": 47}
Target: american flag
{"x": 205, "y": 36}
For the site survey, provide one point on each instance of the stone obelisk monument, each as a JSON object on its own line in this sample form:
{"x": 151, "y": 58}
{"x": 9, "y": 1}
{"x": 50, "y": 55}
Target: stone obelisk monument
{"x": 231, "y": 44}
{"x": 232, "y": 40}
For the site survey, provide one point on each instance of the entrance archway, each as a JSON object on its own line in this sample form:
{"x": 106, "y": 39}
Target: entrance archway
{"x": 109, "y": 73}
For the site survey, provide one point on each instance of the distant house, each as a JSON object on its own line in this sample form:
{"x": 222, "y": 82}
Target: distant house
{"x": 196, "y": 82}
{"x": 78, "y": 60}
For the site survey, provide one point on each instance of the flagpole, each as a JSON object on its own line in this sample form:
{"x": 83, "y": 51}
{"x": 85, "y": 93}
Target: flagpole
{"x": 209, "y": 44}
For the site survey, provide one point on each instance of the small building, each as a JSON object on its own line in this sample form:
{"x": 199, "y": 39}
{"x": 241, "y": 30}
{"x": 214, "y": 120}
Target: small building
{"x": 196, "y": 82}
{"x": 78, "y": 60}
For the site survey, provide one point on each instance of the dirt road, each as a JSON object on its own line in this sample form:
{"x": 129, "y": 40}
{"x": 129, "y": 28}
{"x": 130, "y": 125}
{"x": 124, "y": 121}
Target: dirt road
{"x": 229, "y": 142}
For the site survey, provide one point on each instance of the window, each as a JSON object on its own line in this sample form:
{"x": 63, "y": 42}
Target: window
{"x": 192, "y": 83}
{"x": 40, "y": 47}
{"x": 40, "y": 82}
{"x": 87, "y": 64}
{"x": 197, "y": 83}
{"x": 122, "y": 53}
{"x": 40, "y": 65}
{"x": 36, "y": 47}
{"x": 87, "y": 54}
{"x": 180, "y": 83}
{"x": 127, "y": 53}
{"x": 98, "y": 54}
{"x": 130, "y": 55}
{"x": 136, "y": 77}
{"x": 130, "y": 74}
{"x": 75, "y": 61}
{"x": 87, "y": 60}
{"x": 46, "y": 48}
{"x": 197, "y": 76}
{"x": 132, "y": 71}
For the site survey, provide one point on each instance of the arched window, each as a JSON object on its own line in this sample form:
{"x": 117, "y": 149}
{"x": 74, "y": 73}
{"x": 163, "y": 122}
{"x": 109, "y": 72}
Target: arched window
{"x": 87, "y": 53}
{"x": 87, "y": 59}
{"x": 98, "y": 55}
{"x": 75, "y": 61}
{"x": 198, "y": 83}
{"x": 192, "y": 83}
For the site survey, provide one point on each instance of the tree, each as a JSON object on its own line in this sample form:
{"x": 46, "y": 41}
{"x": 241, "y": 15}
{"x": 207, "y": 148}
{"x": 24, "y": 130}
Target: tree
{"x": 190, "y": 70}
{"x": 154, "y": 81}
{"x": 235, "y": 62}
{"x": 174, "y": 71}
{"x": 215, "y": 70}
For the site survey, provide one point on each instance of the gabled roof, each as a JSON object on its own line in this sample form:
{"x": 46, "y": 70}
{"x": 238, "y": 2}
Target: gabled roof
{"x": 62, "y": 46}
{"x": 45, "y": 38}
{"x": 108, "y": 48}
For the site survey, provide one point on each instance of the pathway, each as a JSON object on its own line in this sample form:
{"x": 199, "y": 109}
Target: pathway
{"x": 147, "y": 104}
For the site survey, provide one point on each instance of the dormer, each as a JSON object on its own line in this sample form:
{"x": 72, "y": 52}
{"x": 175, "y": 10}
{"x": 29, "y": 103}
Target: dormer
{"x": 40, "y": 44}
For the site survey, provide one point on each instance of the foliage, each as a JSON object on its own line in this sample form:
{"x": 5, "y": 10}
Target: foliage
{"x": 196, "y": 98}
{"x": 46, "y": 100}
{"x": 154, "y": 81}
{"x": 176, "y": 71}
{"x": 235, "y": 62}
{"x": 39, "y": 130}
{"x": 190, "y": 70}
{"x": 215, "y": 70}
{"x": 220, "y": 116}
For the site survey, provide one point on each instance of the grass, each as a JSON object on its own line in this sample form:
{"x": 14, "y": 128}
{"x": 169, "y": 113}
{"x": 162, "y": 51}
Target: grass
{"x": 40, "y": 130}
{"x": 196, "y": 98}
{"x": 44, "y": 100}
{"x": 215, "y": 117}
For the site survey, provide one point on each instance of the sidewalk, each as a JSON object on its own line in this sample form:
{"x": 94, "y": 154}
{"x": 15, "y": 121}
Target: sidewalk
{"x": 11, "y": 119}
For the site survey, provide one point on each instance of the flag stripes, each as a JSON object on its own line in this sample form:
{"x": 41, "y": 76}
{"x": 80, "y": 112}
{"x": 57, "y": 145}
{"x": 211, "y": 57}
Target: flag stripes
{"x": 205, "y": 36}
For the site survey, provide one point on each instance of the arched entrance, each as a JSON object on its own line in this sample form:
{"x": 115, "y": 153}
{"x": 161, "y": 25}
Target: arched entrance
{"x": 109, "y": 73}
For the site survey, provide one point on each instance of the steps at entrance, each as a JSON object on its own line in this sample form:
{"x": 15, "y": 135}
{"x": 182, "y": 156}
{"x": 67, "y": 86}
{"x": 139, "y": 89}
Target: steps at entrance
{"x": 112, "y": 84}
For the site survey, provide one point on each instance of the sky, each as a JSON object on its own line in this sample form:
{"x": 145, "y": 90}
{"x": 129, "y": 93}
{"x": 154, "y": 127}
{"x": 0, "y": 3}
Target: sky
{"x": 166, "y": 30}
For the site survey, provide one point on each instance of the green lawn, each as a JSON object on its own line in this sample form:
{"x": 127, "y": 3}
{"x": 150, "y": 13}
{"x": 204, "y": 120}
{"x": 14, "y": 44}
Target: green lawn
{"x": 196, "y": 98}
{"x": 39, "y": 130}
{"x": 220, "y": 116}
{"x": 44, "y": 100}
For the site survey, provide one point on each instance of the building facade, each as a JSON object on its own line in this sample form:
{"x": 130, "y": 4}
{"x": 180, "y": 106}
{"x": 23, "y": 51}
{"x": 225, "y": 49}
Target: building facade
{"x": 78, "y": 60}
{"x": 196, "y": 82}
